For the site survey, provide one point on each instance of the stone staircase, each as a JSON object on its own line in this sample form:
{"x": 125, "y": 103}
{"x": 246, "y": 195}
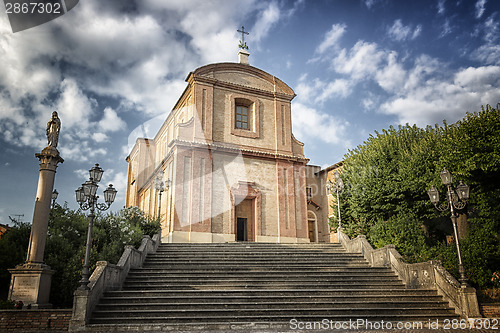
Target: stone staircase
{"x": 259, "y": 285}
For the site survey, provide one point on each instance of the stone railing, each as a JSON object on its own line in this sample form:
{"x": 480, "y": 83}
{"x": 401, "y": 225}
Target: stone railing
{"x": 106, "y": 277}
{"x": 430, "y": 274}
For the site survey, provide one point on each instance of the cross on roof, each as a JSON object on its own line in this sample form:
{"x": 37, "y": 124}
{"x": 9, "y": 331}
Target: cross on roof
{"x": 243, "y": 45}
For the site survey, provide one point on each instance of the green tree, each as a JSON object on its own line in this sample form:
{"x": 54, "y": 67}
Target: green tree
{"x": 13, "y": 250}
{"x": 387, "y": 178}
{"x": 65, "y": 247}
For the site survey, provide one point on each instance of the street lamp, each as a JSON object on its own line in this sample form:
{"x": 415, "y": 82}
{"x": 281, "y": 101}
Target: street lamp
{"x": 54, "y": 197}
{"x": 339, "y": 187}
{"x": 161, "y": 186}
{"x": 457, "y": 199}
{"x": 87, "y": 199}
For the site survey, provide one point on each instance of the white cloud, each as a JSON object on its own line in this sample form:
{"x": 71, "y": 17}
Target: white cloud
{"x": 361, "y": 61}
{"x": 488, "y": 54}
{"x": 423, "y": 92}
{"x": 417, "y": 31}
{"x": 371, "y": 3}
{"x": 369, "y": 102}
{"x": 492, "y": 30}
{"x": 111, "y": 121}
{"x": 449, "y": 98}
{"x": 399, "y": 32}
{"x": 392, "y": 76}
{"x": 100, "y": 137}
{"x": 73, "y": 106}
{"x": 480, "y": 8}
{"x": 318, "y": 91}
{"x": 310, "y": 124}
{"x": 331, "y": 38}
{"x": 441, "y": 7}
{"x": 267, "y": 18}
{"x": 481, "y": 78}
{"x": 138, "y": 58}
{"x": 337, "y": 88}
{"x": 82, "y": 152}
{"x": 446, "y": 30}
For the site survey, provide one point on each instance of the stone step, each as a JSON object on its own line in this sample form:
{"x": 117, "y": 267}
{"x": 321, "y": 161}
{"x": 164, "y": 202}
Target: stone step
{"x": 251, "y": 245}
{"x": 332, "y": 324}
{"x": 255, "y": 256}
{"x": 209, "y": 286}
{"x": 276, "y": 305}
{"x": 242, "y": 253}
{"x": 254, "y": 266}
{"x": 259, "y": 312}
{"x": 241, "y": 250}
{"x": 364, "y": 270}
{"x": 255, "y": 278}
{"x": 178, "y": 298}
{"x": 249, "y": 259}
{"x": 313, "y": 293}
{"x": 259, "y": 285}
{"x": 265, "y": 315}
{"x": 256, "y": 286}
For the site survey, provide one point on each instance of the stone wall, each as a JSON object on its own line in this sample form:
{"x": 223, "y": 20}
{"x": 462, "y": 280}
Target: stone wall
{"x": 34, "y": 320}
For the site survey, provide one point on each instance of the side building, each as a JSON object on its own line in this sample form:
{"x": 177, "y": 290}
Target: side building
{"x": 231, "y": 168}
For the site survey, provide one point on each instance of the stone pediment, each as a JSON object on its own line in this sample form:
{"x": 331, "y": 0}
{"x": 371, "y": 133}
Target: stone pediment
{"x": 241, "y": 75}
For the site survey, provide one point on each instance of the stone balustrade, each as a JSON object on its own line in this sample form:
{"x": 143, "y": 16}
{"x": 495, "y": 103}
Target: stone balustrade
{"x": 106, "y": 277}
{"x": 430, "y": 274}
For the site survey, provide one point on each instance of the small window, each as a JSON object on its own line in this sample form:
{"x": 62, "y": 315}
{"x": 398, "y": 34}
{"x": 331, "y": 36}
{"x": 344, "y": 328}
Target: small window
{"x": 241, "y": 120}
{"x": 245, "y": 116}
{"x": 308, "y": 193}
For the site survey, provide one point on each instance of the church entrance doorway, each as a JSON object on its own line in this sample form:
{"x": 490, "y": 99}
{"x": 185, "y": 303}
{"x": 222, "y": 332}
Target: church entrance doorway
{"x": 241, "y": 229}
{"x": 245, "y": 221}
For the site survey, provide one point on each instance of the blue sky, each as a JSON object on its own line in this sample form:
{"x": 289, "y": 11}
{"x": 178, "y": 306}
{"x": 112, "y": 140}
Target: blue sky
{"x": 114, "y": 69}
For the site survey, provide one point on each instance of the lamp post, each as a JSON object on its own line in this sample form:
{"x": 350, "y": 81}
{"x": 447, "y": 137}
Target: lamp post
{"x": 456, "y": 200}
{"x": 54, "y": 197}
{"x": 161, "y": 186}
{"x": 87, "y": 198}
{"x": 339, "y": 187}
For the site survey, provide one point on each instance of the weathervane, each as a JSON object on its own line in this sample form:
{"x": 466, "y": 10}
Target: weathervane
{"x": 243, "y": 44}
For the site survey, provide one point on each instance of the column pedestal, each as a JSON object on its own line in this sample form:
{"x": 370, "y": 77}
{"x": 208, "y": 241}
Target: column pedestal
{"x": 30, "y": 283}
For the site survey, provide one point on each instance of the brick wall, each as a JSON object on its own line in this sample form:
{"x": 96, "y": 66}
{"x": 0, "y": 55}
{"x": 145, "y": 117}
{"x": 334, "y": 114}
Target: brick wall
{"x": 491, "y": 310}
{"x": 34, "y": 320}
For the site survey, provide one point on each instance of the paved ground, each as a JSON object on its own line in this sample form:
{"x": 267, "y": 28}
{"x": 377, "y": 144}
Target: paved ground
{"x": 356, "y": 326}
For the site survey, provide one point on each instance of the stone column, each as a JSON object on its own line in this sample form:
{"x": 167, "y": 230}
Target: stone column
{"x": 30, "y": 282}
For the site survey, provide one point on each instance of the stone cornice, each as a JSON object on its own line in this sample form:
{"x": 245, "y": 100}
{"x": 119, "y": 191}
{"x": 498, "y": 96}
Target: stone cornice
{"x": 236, "y": 149}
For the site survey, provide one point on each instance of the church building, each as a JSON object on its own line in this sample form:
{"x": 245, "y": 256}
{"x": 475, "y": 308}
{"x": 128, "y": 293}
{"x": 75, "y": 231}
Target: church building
{"x": 225, "y": 166}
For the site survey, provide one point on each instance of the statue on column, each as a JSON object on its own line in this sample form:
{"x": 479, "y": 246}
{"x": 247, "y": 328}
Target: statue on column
{"x": 30, "y": 282}
{"x": 53, "y": 128}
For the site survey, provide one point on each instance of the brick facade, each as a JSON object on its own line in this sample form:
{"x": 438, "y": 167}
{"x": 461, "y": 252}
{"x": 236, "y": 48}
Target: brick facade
{"x": 207, "y": 156}
{"x": 34, "y": 320}
{"x": 490, "y": 310}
